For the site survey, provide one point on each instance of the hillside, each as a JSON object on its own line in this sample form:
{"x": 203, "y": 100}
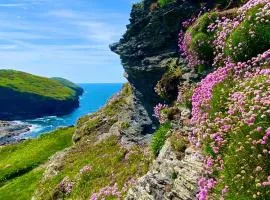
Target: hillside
{"x": 69, "y": 84}
{"x": 192, "y": 123}
{"x": 25, "y": 95}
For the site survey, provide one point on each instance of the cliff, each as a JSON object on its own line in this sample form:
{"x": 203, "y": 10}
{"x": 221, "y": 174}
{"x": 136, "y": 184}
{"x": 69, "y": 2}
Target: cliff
{"x": 25, "y": 96}
{"x": 193, "y": 121}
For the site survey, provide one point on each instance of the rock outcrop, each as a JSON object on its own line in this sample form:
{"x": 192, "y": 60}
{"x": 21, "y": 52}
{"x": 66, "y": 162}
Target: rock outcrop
{"x": 169, "y": 177}
{"x": 147, "y": 47}
{"x": 9, "y": 131}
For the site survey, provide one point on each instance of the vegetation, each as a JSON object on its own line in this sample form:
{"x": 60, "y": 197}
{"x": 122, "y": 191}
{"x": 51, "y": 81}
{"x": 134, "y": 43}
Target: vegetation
{"x": 167, "y": 87}
{"x": 250, "y": 38}
{"x": 28, "y": 83}
{"x": 18, "y": 159}
{"x": 164, "y": 2}
{"x": 108, "y": 163}
{"x": 69, "y": 84}
{"x": 23, "y": 187}
{"x": 159, "y": 138}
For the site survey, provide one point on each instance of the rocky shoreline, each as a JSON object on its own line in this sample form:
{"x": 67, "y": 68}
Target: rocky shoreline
{"x": 10, "y": 130}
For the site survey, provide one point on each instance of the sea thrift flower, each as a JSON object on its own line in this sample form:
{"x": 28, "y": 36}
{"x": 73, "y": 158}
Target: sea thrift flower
{"x": 86, "y": 169}
{"x": 157, "y": 112}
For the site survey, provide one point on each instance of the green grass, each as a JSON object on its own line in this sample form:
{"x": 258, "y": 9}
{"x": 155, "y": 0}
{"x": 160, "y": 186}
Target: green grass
{"x": 21, "y": 158}
{"x": 243, "y": 162}
{"x": 68, "y": 84}
{"x": 28, "y": 83}
{"x": 159, "y": 138}
{"x": 201, "y": 42}
{"x": 110, "y": 163}
{"x": 23, "y": 187}
{"x": 251, "y": 46}
{"x": 164, "y": 2}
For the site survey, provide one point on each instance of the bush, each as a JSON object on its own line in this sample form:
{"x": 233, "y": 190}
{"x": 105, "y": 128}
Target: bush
{"x": 164, "y": 2}
{"x": 159, "y": 138}
{"x": 250, "y": 38}
{"x": 237, "y": 144}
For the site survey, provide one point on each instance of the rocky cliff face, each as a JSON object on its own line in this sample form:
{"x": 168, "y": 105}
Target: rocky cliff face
{"x": 148, "y": 46}
{"x": 17, "y": 106}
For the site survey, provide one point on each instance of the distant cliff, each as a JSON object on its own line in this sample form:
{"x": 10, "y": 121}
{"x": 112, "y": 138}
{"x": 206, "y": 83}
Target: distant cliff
{"x": 25, "y": 96}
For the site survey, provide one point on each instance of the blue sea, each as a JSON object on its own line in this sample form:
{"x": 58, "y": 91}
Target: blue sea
{"x": 94, "y": 97}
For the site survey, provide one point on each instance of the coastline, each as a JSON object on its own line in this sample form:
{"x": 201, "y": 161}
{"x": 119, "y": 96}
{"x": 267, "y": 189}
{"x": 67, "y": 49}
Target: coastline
{"x": 11, "y": 130}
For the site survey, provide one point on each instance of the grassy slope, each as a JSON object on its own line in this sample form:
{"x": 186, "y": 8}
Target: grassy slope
{"x": 67, "y": 83}
{"x": 110, "y": 164}
{"x": 28, "y": 83}
{"x": 18, "y": 159}
{"x": 23, "y": 187}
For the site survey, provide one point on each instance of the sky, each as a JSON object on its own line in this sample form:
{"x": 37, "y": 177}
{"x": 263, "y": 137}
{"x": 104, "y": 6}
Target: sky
{"x": 63, "y": 38}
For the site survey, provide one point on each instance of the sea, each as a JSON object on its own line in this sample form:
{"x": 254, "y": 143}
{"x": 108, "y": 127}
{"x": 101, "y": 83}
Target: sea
{"x": 94, "y": 97}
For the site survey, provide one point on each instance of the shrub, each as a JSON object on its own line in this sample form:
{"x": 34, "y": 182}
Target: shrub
{"x": 164, "y": 2}
{"x": 251, "y": 37}
{"x": 159, "y": 138}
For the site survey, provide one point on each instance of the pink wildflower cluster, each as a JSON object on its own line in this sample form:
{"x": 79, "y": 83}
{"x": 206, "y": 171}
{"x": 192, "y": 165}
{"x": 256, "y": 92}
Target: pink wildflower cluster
{"x": 183, "y": 44}
{"x": 203, "y": 93}
{"x": 248, "y": 101}
{"x": 86, "y": 169}
{"x": 107, "y": 192}
{"x": 266, "y": 183}
{"x": 157, "y": 112}
{"x": 205, "y": 186}
{"x": 225, "y": 26}
{"x": 113, "y": 191}
{"x": 66, "y": 186}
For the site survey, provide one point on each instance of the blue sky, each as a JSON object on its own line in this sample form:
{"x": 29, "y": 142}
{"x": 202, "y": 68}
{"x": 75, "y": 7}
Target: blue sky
{"x": 64, "y": 38}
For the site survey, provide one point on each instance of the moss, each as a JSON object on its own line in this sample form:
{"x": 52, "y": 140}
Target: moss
{"x": 251, "y": 46}
{"x": 179, "y": 143}
{"x": 125, "y": 125}
{"x": 18, "y": 159}
{"x": 110, "y": 163}
{"x": 167, "y": 87}
{"x": 159, "y": 137}
{"x": 28, "y": 83}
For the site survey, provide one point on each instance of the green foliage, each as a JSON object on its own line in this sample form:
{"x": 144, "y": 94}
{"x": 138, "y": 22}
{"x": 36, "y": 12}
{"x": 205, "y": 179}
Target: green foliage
{"x": 240, "y": 155}
{"x": 201, "y": 42}
{"x": 28, "y": 83}
{"x": 164, "y": 2}
{"x": 23, "y": 187}
{"x": 251, "y": 45}
{"x": 220, "y": 96}
{"x": 159, "y": 138}
{"x": 110, "y": 163}
{"x": 68, "y": 84}
{"x": 17, "y": 159}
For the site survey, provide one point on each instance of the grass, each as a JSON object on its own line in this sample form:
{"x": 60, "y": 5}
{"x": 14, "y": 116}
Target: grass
{"x": 164, "y": 2}
{"x": 28, "y": 83}
{"x": 18, "y": 159}
{"x": 159, "y": 138}
{"x": 251, "y": 46}
{"x": 240, "y": 165}
{"x": 110, "y": 163}
{"x": 201, "y": 42}
{"x": 23, "y": 187}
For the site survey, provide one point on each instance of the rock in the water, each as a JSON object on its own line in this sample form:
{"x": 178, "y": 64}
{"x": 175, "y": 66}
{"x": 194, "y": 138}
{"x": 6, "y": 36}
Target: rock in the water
{"x": 10, "y": 130}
